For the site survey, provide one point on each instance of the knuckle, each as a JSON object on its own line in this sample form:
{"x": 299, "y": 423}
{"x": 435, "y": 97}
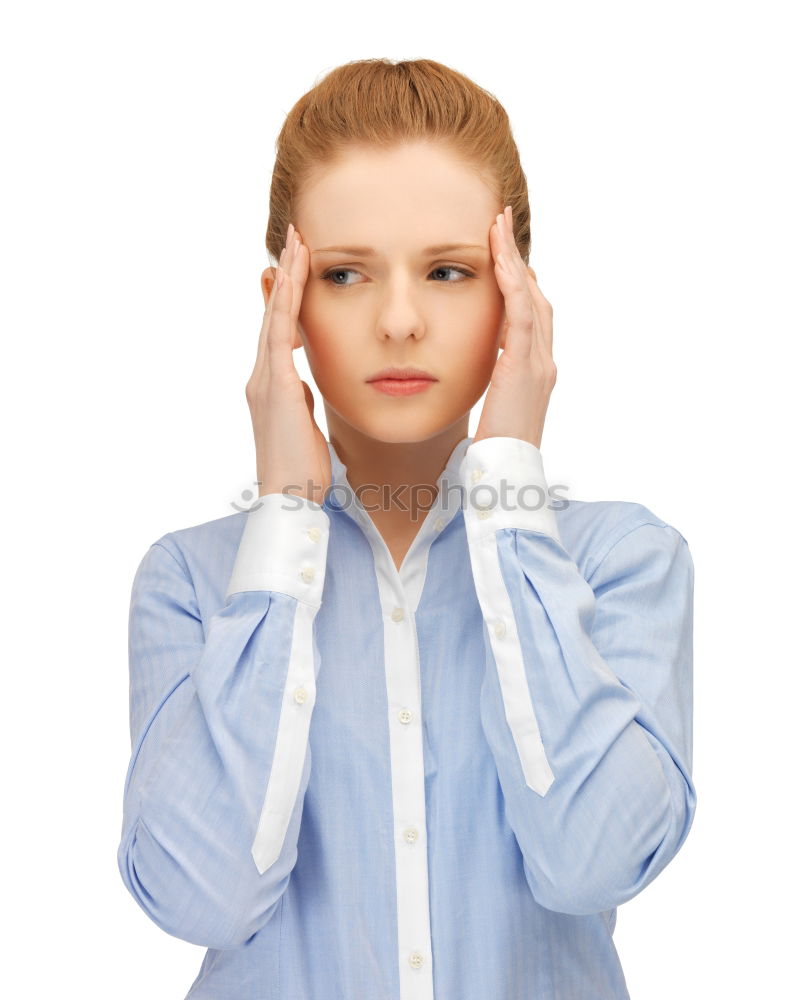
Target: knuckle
{"x": 254, "y": 391}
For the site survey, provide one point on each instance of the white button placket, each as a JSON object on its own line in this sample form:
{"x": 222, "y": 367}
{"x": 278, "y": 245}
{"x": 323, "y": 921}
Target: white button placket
{"x": 400, "y": 593}
{"x": 408, "y": 788}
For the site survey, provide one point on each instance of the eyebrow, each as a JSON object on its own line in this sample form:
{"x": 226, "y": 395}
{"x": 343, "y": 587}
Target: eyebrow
{"x": 428, "y": 251}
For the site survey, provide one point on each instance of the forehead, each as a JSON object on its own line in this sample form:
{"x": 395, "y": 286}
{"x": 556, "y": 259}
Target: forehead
{"x": 412, "y": 191}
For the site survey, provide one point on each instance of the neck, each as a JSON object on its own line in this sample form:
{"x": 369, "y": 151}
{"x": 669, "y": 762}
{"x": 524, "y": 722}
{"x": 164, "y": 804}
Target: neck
{"x": 373, "y": 464}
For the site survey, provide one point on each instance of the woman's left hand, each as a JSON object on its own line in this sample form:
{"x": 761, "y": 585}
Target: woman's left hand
{"x": 525, "y": 373}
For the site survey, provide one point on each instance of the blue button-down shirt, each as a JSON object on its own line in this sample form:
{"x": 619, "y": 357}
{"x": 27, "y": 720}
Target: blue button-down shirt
{"x": 350, "y": 782}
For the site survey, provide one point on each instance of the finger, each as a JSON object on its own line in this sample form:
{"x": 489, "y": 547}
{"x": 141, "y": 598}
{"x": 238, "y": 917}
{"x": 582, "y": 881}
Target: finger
{"x": 291, "y": 272}
{"x": 520, "y": 331}
{"x": 303, "y": 264}
{"x": 261, "y": 367}
{"x": 505, "y": 243}
{"x": 544, "y": 310}
{"x": 506, "y": 228}
{"x": 284, "y": 263}
{"x": 299, "y": 271}
{"x": 291, "y": 250}
{"x": 279, "y": 332}
{"x": 509, "y": 246}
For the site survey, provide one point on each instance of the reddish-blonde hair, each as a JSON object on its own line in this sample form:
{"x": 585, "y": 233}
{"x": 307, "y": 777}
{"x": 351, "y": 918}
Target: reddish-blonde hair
{"x": 377, "y": 102}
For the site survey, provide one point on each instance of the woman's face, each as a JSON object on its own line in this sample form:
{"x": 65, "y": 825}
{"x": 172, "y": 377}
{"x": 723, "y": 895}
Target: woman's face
{"x": 402, "y": 303}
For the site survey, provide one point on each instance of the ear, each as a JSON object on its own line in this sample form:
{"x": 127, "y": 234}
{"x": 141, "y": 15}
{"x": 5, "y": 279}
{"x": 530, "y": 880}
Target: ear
{"x": 267, "y": 283}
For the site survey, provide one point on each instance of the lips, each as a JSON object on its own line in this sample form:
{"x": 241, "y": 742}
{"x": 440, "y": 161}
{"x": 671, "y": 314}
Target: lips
{"x": 402, "y": 374}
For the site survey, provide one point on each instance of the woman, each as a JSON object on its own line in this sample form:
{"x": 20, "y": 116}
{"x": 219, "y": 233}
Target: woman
{"x": 419, "y": 734}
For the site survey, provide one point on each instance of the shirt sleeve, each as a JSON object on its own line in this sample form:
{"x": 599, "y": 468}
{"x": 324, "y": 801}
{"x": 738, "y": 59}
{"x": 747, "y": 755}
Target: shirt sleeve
{"x": 220, "y": 715}
{"x": 587, "y": 698}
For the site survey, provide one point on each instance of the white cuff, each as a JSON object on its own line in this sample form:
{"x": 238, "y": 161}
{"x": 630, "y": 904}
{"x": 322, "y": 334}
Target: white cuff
{"x": 284, "y": 547}
{"x": 505, "y": 487}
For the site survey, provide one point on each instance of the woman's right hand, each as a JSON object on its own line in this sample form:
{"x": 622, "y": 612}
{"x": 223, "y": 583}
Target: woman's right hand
{"x": 291, "y": 451}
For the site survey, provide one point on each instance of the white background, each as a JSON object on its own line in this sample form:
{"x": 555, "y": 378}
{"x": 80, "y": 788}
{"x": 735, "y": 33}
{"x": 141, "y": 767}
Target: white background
{"x": 660, "y": 147}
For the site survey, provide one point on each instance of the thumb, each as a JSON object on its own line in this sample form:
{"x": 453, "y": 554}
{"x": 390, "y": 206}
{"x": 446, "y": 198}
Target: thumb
{"x": 309, "y": 398}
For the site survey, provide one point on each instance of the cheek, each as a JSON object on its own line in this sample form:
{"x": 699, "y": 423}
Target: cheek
{"x": 323, "y": 344}
{"x": 477, "y": 338}
{"x": 476, "y": 363}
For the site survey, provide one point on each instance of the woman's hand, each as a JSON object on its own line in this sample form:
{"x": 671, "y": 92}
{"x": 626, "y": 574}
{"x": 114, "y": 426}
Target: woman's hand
{"x": 525, "y": 373}
{"x": 291, "y": 451}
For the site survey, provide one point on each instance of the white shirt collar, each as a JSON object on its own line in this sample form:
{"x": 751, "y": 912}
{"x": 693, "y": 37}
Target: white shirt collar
{"x": 344, "y": 496}
{"x": 403, "y": 588}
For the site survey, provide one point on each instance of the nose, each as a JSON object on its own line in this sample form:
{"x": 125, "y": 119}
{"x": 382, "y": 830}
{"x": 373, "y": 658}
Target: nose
{"x": 399, "y": 313}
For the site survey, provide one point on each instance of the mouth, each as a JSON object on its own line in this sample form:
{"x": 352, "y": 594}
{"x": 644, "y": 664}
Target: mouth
{"x": 406, "y": 374}
{"x": 401, "y": 381}
{"x": 401, "y": 386}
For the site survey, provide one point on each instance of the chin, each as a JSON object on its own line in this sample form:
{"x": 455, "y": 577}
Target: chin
{"x": 401, "y": 428}
{"x": 408, "y": 431}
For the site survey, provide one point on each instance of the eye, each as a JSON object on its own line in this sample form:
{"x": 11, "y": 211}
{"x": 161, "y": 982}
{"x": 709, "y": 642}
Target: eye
{"x": 332, "y": 275}
{"x": 456, "y": 270}
{"x": 329, "y": 275}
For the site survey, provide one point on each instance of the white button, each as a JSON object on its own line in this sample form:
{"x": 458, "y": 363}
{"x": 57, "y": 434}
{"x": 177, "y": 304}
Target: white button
{"x": 405, "y": 715}
{"x": 308, "y": 574}
{"x": 411, "y": 834}
{"x": 313, "y": 534}
{"x": 415, "y": 960}
{"x": 438, "y": 523}
{"x": 300, "y": 695}
{"x": 476, "y": 474}
{"x": 483, "y": 514}
{"x": 500, "y": 629}
{"x": 397, "y": 615}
